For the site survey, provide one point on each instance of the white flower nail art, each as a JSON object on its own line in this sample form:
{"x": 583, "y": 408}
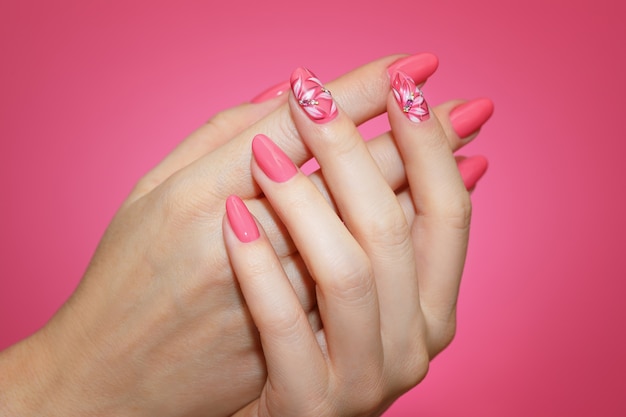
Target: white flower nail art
{"x": 312, "y": 96}
{"x": 409, "y": 97}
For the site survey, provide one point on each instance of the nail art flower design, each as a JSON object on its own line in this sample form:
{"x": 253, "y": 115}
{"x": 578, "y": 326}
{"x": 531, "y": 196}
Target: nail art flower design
{"x": 409, "y": 97}
{"x": 314, "y": 99}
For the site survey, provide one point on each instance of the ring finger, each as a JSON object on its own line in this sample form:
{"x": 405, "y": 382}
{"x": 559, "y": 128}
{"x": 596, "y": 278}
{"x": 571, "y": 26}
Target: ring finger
{"x": 346, "y": 291}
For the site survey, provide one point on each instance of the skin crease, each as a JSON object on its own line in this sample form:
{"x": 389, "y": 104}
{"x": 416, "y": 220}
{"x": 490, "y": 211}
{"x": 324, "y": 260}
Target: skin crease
{"x": 158, "y": 302}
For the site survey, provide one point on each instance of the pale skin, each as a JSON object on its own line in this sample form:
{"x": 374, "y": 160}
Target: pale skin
{"x": 158, "y": 325}
{"x": 386, "y": 288}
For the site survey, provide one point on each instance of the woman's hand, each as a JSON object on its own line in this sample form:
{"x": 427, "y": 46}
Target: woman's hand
{"x": 157, "y": 325}
{"x": 386, "y": 287}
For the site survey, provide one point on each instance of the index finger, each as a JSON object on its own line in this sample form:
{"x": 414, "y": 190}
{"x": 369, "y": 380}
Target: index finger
{"x": 443, "y": 208}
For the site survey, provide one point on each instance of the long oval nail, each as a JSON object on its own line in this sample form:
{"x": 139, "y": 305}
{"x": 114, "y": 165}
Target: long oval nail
{"x": 272, "y": 92}
{"x": 468, "y": 117}
{"x": 240, "y": 219}
{"x": 419, "y": 66}
{"x": 472, "y": 169}
{"x": 272, "y": 160}
{"x": 312, "y": 96}
{"x": 409, "y": 97}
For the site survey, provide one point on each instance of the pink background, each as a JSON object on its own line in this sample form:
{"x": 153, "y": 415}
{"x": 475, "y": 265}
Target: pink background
{"x": 93, "y": 94}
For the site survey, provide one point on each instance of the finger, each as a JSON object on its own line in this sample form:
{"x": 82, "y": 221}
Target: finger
{"x": 301, "y": 280}
{"x": 218, "y": 130}
{"x": 361, "y": 93}
{"x": 472, "y": 115}
{"x": 472, "y": 169}
{"x": 366, "y": 203}
{"x": 442, "y": 204}
{"x": 462, "y": 120}
{"x": 346, "y": 290}
{"x": 294, "y": 359}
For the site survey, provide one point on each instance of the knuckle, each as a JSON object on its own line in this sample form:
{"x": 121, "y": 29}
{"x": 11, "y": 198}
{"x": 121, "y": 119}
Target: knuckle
{"x": 449, "y": 334}
{"x": 411, "y": 369}
{"x": 409, "y": 362}
{"x": 352, "y": 279}
{"x": 388, "y": 230}
{"x": 283, "y": 323}
{"x": 444, "y": 336}
{"x": 454, "y": 211}
{"x": 220, "y": 121}
{"x": 416, "y": 369}
{"x": 461, "y": 212}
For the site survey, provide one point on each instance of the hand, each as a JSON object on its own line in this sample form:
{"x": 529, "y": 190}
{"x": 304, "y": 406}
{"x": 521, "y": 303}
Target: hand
{"x": 386, "y": 288}
{"x": 159, "y": 297}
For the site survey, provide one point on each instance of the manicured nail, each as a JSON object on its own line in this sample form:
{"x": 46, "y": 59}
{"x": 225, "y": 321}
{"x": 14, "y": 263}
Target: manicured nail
{"x": 472, "y": 169}
{"x": 241, "y": 220}
{"x": 272, "y": 160}
{"x": 419, "y": 66}
{"x": 409, "y": 97}
{"x": 314, "y": 99}
{"x": 468, "y": 117}
{"x": 272, "y": 92}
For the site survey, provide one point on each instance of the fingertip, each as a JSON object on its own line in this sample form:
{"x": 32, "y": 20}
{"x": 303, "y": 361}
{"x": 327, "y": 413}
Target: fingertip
{"x": 418, "y": 66}
{"x": 240, "y": 220}
{"x": 409, "y": 97}
{"x": 274, "y": 163}
{"x": 313, "y": 98}
{"x": 468, "y": 117}
{"x": 472, "y": 169}
{"x": 273, "y": 92}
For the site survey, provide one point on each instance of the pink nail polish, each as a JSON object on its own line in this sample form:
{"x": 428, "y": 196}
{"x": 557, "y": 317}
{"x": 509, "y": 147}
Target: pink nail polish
{"x": 409, "y": 97}
{"x": 314, "y": 99}
{"x": 468, "y": 117}
{"x": 419, "y": 67}
{"x": 472, "y": 169}
{"x": 241, "y": 220}
{"x": 272, "y": 92}
{"x": 272, "y": 160}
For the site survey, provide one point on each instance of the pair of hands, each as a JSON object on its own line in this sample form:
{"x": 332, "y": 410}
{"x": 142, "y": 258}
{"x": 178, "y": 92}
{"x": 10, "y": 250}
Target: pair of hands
{"x": 350, "y": 308}
{"x": 386, "y": 289}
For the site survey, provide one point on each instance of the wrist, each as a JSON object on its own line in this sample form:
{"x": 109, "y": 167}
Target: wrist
{"x": 26, "y": 378}
{"x": 50, "y": 374}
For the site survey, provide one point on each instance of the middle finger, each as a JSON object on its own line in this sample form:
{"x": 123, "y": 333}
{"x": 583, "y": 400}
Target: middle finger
{"x": 366, "y": 203}
{"x": 346, "y": 293}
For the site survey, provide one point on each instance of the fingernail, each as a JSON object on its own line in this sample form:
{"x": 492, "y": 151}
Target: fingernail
{"x": 472, "y": 169}
{"x": 419, "y": 66}
{"x": 314, "y": 99}
{"x": 409, "y": 97}
{"x": 241, "y": 220}
{"x": 468, "y": 117}
{"x": 272, "y": 92}
{"x": 272, "y": 160}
